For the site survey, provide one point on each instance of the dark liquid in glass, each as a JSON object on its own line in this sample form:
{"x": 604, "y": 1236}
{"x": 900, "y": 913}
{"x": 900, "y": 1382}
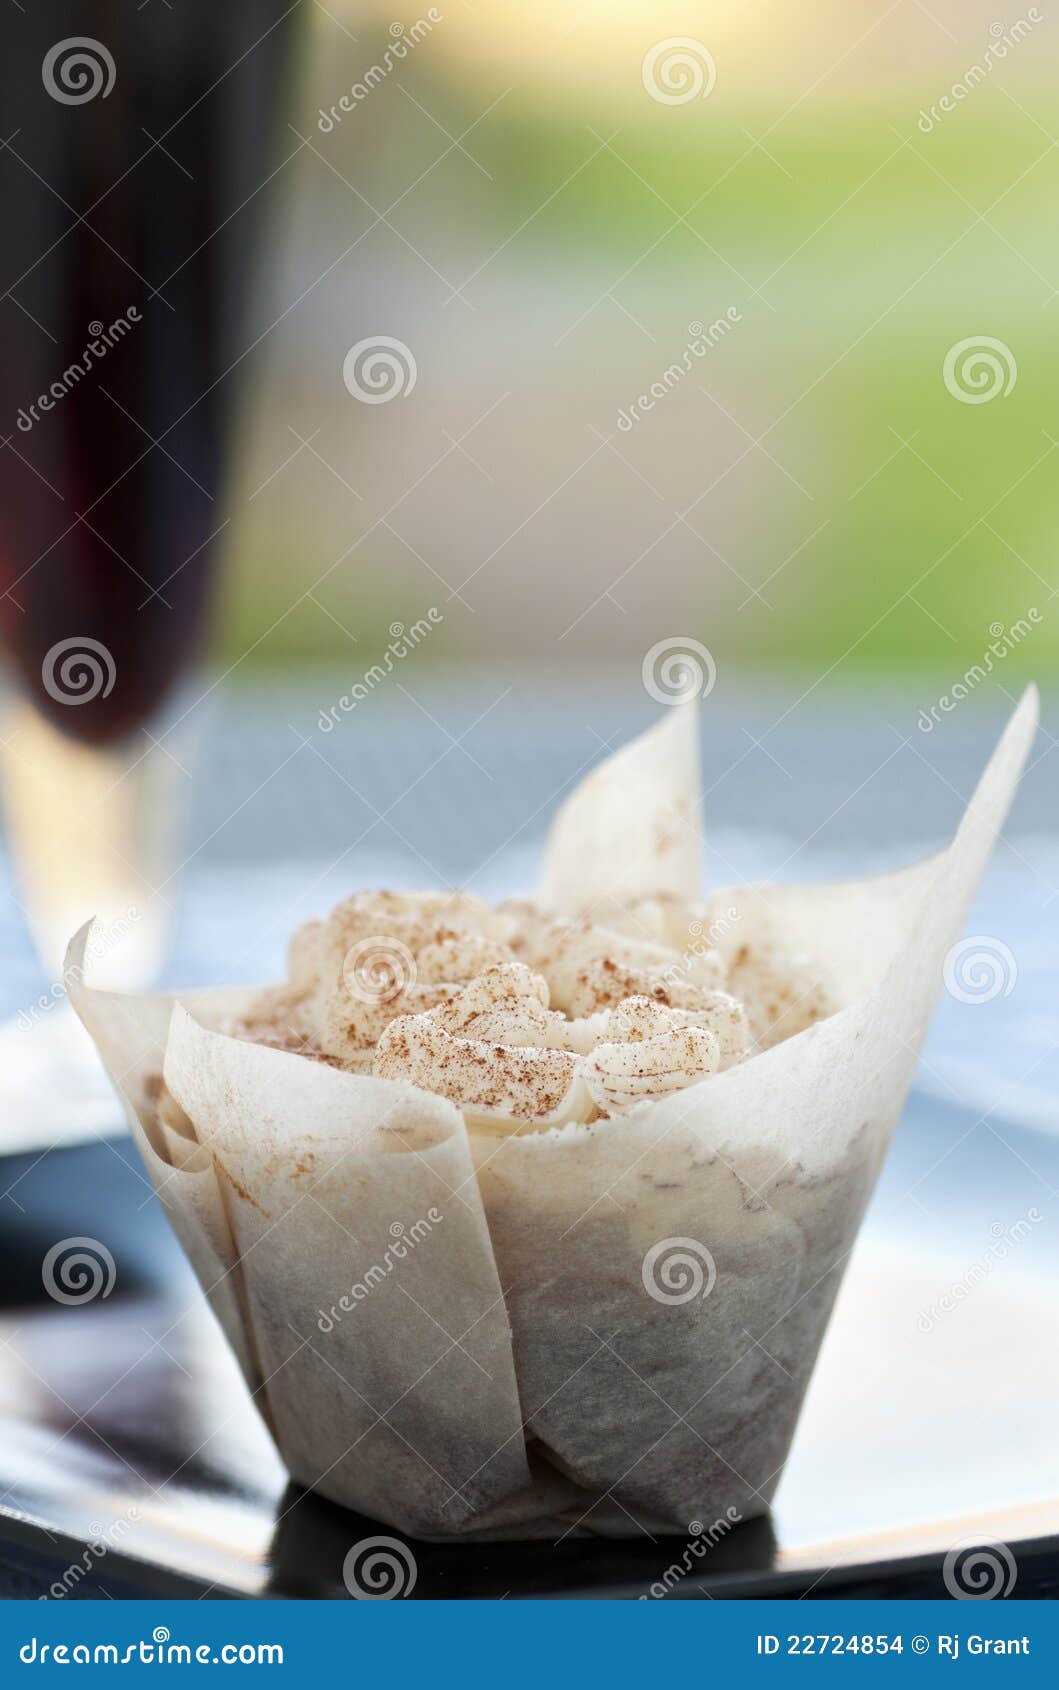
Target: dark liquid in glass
{"x": 132, "y": 186}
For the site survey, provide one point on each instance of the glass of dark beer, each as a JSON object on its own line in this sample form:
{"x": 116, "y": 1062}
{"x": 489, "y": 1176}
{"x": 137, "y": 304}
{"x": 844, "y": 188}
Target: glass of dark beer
{"x": 136, "y": 154}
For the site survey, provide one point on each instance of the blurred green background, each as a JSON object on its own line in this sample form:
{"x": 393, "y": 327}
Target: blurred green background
{"x": 511, "y": 202}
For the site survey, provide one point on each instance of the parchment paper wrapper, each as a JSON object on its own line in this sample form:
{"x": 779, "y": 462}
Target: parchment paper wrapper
{"x": 595, "y": 1328}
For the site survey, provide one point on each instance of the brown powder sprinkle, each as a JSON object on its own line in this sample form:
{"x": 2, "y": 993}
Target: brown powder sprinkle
{"x": 524, "y": 1017}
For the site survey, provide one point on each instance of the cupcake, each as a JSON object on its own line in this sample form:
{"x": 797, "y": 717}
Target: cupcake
{"x": 527, "y": 1220}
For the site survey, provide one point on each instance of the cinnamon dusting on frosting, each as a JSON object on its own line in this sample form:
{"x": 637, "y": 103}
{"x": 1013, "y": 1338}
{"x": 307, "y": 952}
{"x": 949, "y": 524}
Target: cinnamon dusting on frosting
{"x": 524, "y": 1019}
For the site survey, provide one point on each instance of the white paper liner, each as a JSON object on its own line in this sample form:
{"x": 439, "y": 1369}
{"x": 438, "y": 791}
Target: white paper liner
{"x": 632, "y": 827}
{"x": 598, "y": 1328}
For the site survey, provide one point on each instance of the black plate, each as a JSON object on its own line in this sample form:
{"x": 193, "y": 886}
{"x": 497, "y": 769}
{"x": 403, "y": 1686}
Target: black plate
{"x": 132, "y": 1463}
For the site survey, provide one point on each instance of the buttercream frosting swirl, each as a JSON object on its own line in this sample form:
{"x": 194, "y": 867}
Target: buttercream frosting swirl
{"x": 524, "y": 1019}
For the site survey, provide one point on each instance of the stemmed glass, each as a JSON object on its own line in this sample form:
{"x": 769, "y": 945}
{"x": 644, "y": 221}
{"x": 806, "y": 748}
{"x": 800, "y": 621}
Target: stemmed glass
{"x": 135, "y": 161}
